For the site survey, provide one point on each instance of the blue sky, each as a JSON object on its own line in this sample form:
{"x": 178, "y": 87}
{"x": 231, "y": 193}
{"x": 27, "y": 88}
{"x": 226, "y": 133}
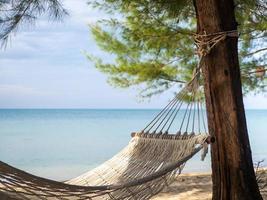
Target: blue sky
{"x": 44, "y": 67}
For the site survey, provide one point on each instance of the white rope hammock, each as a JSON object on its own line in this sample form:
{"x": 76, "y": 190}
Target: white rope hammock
{"x": 151, "y": 160}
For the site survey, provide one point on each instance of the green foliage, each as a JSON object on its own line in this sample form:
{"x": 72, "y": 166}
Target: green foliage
{"x": 13, "y": 13}
{"x": 152, "y": 47}
{"x": 252, "y": 17}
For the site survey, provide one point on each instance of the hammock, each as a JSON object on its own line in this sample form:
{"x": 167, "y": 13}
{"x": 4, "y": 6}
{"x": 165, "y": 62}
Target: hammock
{"x": 152, "y": 159}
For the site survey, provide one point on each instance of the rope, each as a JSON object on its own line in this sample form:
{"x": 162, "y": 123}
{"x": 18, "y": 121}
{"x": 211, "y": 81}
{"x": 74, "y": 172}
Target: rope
{"x": 198, "y": 116}
{"x": 174, "y": 116}
{"x": 159, "y": 115}
{"x": 193, "y": 128}
{"x": 189, "y": 116}
{"x": 165, "y": 117}
{"x": 169, "y": 112}
{"x": 205, "y": 42}
{"x": 203, "y": 119}
{"x": 177, "y": 105}
{"x": 184, "y": 116}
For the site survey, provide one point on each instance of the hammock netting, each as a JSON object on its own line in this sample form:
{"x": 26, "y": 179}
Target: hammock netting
{"x": 154, "y": 157}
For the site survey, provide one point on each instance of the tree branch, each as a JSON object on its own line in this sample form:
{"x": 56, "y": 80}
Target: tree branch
{"x": 17, "y": 12}
{"x": 171, "y": 80}
{"x": 259, "y": 50}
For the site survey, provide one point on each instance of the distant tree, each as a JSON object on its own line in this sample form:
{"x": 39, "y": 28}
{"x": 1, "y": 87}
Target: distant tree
{"x": 152, "y": 48}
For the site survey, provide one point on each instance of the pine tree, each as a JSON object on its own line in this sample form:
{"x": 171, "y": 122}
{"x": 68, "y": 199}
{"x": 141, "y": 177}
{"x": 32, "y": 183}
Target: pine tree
{"x": 152, "y": 45}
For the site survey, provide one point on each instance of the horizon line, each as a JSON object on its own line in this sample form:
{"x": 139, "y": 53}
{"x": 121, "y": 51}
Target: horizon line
{"x": 88, "y": 108}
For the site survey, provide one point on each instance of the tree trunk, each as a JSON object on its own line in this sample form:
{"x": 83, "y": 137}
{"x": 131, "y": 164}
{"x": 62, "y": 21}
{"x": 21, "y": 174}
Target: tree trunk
{"x": 233, "y": 174}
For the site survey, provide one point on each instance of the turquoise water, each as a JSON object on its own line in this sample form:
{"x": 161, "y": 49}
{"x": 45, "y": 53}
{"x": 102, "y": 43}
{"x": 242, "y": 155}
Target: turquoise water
{"x": 61, "y": 144}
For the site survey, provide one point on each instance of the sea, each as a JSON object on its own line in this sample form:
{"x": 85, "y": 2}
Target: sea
{"x": 63, "y": 143}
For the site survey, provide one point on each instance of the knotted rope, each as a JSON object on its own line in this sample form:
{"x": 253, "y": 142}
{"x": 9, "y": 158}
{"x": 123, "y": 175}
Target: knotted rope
{"x": 205, "y": 42}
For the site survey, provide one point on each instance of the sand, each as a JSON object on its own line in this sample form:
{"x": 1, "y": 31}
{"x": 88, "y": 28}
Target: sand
{"x": 197, "y": 187}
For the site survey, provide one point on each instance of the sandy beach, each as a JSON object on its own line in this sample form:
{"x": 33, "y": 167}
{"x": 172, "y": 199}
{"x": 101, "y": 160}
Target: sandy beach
{"x": 197, "y": 186}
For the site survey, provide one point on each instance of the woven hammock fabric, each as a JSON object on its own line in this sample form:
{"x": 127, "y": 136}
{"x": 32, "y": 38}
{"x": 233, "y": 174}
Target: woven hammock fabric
{"x": 143, "y": 157}
{"x": 152, "y": 159}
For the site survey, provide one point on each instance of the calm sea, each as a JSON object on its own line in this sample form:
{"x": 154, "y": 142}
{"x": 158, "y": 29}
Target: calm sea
{"x": 63, "y": 143}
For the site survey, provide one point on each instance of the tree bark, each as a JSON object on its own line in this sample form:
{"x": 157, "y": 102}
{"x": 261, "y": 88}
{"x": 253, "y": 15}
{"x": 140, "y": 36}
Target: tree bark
{"x": 233, "y": 174}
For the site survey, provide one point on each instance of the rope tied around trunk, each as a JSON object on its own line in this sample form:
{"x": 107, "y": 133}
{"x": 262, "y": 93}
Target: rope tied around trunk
{"x": 205, "y": 42}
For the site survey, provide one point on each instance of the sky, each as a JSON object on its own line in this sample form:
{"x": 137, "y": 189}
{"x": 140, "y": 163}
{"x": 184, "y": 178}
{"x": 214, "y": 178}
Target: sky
{"x": 44, "y": 66}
